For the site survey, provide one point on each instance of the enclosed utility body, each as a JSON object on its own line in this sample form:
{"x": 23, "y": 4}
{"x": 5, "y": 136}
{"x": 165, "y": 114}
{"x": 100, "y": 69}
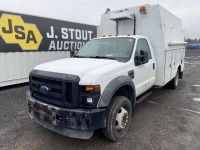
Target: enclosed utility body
{"x": 163, "y": 29}
{"x": 99, "y": 87}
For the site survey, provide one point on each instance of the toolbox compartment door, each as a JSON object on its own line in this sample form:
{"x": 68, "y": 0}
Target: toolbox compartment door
{"x": 168, "y": 65}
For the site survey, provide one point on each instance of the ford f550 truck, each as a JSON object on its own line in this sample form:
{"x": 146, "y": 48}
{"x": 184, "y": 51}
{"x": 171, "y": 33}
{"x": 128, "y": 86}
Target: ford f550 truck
{"x": 139, "y": 47}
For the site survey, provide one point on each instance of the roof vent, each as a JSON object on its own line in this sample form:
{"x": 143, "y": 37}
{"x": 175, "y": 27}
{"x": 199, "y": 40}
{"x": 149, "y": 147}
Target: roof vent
{"x": 122, "y": 15}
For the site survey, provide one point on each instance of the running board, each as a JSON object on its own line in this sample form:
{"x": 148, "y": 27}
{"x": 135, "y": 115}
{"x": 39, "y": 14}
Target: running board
{"x": 142, "y": 97}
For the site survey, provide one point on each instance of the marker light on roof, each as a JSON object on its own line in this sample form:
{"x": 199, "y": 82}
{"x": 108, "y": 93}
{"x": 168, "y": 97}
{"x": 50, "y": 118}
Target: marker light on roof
{"x": 143, "y": 9}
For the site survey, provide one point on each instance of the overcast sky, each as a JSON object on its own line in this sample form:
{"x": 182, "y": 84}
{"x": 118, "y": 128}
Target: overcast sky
{"x": 89, "y": 11}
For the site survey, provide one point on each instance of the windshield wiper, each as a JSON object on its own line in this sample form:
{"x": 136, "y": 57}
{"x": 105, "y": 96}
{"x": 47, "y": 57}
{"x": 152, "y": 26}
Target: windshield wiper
{"x": 103, "y": 57}
{"x": 99, "y": 57}
{"x": 80, "y": 56}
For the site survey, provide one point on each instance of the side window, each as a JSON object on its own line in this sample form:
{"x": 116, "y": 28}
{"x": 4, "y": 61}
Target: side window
{"x": 142, "y": 44}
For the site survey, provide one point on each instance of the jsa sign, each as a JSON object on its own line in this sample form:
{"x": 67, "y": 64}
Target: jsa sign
{"x": 19, "y": 33}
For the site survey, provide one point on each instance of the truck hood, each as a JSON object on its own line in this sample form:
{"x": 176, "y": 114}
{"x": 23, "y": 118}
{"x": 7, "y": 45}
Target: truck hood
{"x": 85, "y": 68}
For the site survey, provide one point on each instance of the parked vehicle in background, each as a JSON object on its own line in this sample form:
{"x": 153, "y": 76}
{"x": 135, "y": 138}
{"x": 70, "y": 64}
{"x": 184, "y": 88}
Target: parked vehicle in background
{"x": 193, "y": 46}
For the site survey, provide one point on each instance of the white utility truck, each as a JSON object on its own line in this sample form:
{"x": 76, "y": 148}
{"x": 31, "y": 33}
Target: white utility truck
{"x": 98, "y": 88}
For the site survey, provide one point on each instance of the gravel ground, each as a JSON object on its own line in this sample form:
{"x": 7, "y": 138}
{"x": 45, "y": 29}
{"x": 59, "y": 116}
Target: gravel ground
{"x": 168, "y": 119}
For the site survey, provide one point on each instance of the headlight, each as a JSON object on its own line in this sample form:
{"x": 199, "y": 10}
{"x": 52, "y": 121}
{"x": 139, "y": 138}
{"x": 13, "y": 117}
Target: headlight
{"x": 89, "y": 96}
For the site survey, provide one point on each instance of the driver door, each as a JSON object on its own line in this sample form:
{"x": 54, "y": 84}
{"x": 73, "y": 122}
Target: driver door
{"x": 145, "y": 72}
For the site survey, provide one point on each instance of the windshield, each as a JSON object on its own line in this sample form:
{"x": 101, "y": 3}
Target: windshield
{"x": 110, "y": 48}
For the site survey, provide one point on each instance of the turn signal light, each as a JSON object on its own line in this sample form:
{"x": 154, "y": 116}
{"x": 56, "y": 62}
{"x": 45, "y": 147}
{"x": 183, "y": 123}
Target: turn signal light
{"x": 95, "y": 89}
{"x": 89, "y": 88}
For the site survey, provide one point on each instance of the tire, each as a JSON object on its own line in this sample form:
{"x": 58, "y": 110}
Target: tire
{"x": 173, "y": 84}
{"x": 119, "y": 117}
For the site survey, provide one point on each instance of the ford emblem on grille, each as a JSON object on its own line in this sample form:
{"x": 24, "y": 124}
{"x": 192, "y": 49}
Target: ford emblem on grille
{"x": 44, "y": 89}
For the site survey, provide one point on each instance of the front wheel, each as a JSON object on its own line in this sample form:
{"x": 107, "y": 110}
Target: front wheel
{"x": 119, "y": 117}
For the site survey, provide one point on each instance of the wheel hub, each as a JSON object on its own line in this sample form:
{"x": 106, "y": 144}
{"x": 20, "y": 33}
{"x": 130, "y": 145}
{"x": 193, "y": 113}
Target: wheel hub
{"x": 121, "y": 119}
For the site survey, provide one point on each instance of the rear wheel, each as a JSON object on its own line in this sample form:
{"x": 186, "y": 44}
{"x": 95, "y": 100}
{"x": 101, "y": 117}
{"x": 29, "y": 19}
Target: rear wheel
{"x": 174, "y": 82}
{"x": 118, "y": 118}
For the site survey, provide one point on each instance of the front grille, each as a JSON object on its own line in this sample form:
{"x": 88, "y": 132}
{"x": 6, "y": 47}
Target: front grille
{"x": 62, "y": 91}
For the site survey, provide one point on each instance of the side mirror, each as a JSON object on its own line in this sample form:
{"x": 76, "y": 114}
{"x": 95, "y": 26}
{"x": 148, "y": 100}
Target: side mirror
{"x": 138, "y": 60}
{"x": 145, "y": 58}
{"x": 142, "y": 58}
{"x": 73, "y": 53}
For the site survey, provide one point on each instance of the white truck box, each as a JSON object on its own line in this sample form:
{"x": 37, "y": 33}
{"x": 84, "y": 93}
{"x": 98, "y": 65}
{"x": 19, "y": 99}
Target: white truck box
{"x": 163, "y": 29}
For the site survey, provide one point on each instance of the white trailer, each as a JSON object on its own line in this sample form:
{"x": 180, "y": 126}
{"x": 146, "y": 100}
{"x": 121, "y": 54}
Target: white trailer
{"x": 163, "y": 29}
{"x": 15, "y": 67}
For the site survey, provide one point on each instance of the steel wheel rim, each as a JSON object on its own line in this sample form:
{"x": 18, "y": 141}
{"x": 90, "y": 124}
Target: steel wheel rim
{"x": 122, "y": 119}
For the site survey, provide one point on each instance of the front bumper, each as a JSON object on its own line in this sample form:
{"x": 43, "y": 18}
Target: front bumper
{"x": 76, "y": 123}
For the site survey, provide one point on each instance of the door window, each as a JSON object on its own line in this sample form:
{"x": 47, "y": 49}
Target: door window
{"x": 142, "y": 44}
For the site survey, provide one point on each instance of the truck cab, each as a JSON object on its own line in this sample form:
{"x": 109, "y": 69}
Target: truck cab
{"x": 134, "y": 55}
{"x": 100, "y": 85}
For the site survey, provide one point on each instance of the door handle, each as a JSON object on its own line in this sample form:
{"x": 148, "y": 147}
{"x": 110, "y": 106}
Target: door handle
{"x": 153, "y": 66}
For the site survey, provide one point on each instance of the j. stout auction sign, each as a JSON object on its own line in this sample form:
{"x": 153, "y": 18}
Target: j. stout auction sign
{"x": 19, "y": 33}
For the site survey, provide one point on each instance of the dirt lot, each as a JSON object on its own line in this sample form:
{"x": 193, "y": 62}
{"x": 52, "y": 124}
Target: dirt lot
{"x": 168, "y": 119}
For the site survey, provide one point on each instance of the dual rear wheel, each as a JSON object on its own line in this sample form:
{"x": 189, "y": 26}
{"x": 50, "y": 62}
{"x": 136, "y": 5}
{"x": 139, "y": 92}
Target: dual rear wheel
{"x": 173, "y": 84}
